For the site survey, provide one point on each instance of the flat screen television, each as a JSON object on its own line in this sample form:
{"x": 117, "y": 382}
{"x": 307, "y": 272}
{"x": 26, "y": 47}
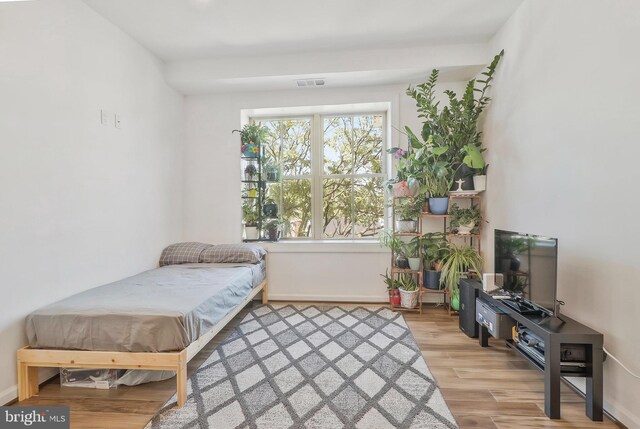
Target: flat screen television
{"x": 529, "y": 267}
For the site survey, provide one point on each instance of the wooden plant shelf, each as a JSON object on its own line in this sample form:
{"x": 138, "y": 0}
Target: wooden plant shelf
{"x": 464, "y": 235}
{"x": 407, "y": 234}
{"x": 465, "y": 196}
{"x": 406, "y": 270}
{"x": 444, "y": 216}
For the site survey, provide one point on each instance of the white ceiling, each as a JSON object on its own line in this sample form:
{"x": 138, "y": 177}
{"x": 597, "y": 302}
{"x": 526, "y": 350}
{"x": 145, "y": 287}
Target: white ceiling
{"x": 196, "y": 29}
{"x": 243, "y": 45}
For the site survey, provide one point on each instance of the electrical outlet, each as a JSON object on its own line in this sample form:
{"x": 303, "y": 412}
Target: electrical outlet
{"x": 118, "y": 121}
{"x": 104, "y": 117}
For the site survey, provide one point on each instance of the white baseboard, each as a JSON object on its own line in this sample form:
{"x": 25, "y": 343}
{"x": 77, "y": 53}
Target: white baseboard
{"x": 328, "y": 298}
{"x": 10, "y": 394}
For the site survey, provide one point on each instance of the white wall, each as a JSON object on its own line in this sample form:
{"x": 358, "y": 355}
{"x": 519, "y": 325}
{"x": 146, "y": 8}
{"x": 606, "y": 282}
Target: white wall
{"x": 82, "y": 204}
{"x": 332, "y": 272}
{"x": 564, "y": 146}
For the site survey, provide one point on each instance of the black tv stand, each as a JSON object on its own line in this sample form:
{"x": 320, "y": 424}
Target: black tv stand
{"x": 554, "y": 332}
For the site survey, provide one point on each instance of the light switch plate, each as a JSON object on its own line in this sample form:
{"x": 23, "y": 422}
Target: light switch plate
{"x": 118, "y": 121}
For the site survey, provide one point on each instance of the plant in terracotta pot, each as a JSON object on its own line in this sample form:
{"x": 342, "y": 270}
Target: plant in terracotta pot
{"x": 464, "y": 221}
{"x": 434, "y": 249}
{"x": 392, "y": 289}
{"x": 458, "y": 261}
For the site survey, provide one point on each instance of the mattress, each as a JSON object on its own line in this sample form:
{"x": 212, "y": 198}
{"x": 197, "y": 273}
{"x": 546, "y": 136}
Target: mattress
{"x": 160, "y": 310}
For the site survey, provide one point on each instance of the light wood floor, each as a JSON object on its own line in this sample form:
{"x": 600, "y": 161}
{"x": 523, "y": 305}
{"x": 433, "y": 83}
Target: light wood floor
{"x": 484, "y": 388}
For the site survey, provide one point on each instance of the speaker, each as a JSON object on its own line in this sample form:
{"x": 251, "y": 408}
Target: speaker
{"x": 469, "y": 291}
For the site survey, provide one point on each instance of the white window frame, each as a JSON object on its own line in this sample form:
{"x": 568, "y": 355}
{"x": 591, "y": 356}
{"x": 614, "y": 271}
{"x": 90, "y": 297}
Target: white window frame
{"x": 318, "y": 175}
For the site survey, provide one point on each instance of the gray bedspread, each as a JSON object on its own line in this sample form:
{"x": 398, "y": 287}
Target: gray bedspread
{"x": 159, "y": 310}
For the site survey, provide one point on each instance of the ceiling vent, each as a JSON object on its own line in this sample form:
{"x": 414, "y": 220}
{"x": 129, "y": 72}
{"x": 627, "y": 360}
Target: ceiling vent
{"x": 310, "y": 82}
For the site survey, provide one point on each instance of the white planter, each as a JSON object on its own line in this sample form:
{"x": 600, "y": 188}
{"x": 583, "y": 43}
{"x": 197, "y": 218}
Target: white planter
{"x": 480, "y": 183}
{"x": 251, "y": 232}
{"x": 404, "y": 226}
{"x": 414, "y": 263}
{"x": 408, "y": 299}
{"x": 466, "y": 229}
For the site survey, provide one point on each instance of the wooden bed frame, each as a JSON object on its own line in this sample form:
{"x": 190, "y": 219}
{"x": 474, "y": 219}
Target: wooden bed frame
{"x": 29, "y": 360}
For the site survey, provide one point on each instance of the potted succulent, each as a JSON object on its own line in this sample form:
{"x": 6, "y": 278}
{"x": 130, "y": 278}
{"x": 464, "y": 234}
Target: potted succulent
{"x": 250, "y": 172}
{"x": 458, "y": 261}
{"x": 434, "y": 249}
{"x": 250, "y": 216}
{"x": 408, "y": 291}
{"x": 392, "y": 289}
{"x": 464, "y": 221}
{"x": 407, "y": 214}
{"x": 251, "y": 135}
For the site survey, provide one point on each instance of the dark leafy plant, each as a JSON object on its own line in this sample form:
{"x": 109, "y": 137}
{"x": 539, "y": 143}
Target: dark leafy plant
{"x": 250, "y": 213}
{"x": 397, "y": 245}
{"x": 408, "y": 208}
{"x": 253, "y": 133}
{"x": 388, "y": 280}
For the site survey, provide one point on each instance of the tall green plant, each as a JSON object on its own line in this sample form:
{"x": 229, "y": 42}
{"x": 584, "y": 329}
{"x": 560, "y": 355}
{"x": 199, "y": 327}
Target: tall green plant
{"x": 459, "y": 260}
{"x": 456, "y": 125}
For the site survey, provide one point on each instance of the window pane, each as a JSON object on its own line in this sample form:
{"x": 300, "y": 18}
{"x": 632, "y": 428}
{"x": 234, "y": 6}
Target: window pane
{"x": 353, "y": 144}
{"x": 368, "y": 196}
{"x": 295, "y": 207}
{"x": 337, "y": 219}
{"x": 288, "y": 145}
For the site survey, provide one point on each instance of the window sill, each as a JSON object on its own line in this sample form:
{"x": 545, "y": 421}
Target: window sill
{"x": 325, "y": 246}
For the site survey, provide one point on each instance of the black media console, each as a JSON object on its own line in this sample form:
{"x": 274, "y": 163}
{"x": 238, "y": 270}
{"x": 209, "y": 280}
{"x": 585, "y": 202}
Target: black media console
{"x": 558, "y": 335}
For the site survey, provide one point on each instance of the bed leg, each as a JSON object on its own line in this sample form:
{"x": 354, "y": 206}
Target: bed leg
{"x": 265, "y": 297}
{"x": 27, "y": 381}
{"x": 182, "y": 380}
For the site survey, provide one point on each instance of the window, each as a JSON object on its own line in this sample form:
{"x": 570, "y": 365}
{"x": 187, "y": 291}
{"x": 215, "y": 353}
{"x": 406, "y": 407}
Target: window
{"x": 331, "y": 174}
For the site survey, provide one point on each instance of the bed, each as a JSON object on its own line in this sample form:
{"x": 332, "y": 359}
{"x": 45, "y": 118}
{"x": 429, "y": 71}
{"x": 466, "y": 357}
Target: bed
{"x": 156, "y": 320}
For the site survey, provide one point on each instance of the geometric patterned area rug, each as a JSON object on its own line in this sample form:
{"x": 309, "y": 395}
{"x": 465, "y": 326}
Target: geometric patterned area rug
{"x": 313, "y": 367}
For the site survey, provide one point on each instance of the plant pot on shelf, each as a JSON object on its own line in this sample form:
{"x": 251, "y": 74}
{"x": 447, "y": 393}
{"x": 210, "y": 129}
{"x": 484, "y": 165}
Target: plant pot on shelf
{"x": 480, "y": 183}
{"x": 431, "y": 279}
{"x": 394, "y": 297}
{"x": 272, "y": 174}
{"x": 455, "y": 300}
{"x": 406, "y": 226}
{"x": 401, "y": 189}
{"x": 408, "y": 299}
{"x": 270, "y": 210}
{"x": 402, "y": 262}
{"x": 251, "y": 232}
{"x": 250, "y": 150}
{"x": 439, "y": 205}
{"x": 414, "y": 263}
{"x": 466, "y": 229}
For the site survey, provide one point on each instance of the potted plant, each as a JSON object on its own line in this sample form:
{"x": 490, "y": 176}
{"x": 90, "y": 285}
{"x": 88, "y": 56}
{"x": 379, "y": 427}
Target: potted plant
{"x": 405, "y": 183}
{"x": 408, "y": 291}
{"x": 250, "y": 216}
{"x": 398, "y": 246}
{"x": 407, "y": 213}
{"x": 272, "y": 229}
{"x": 434, "y": 249}
{"x": 250, "y": 137}
{"x": 473, "y": 159}
{"x": 250, "y": 172}
{"x": 411, "y": 251}
{"x": 454, "y": 125}
{"x": 392, "y": 289}
{"x": 463, "y": 221}
{"x": 458, "y": 261}
{"x": 272, "y": 173}
{"x": 270, "y": 208}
